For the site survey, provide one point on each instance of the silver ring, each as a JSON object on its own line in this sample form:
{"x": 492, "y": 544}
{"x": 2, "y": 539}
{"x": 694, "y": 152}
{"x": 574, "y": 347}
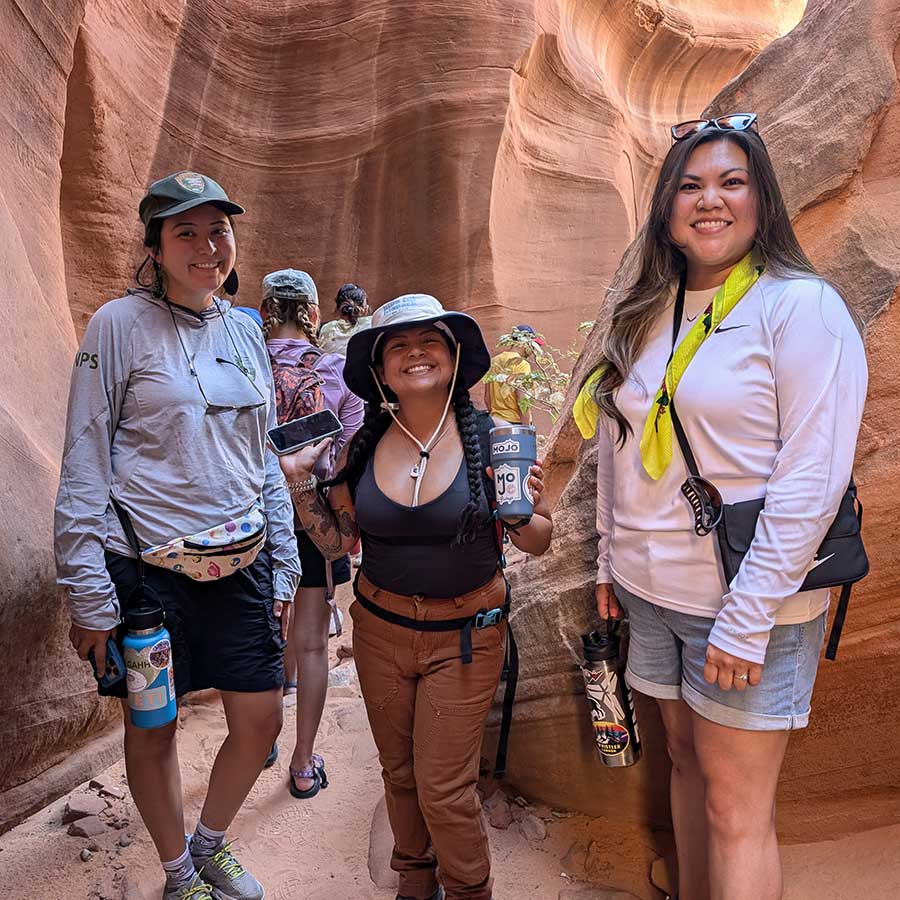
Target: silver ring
{"x": 744, "y": 677}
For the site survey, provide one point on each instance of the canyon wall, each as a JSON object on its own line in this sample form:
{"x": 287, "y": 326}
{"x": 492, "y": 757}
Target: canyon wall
{"x": 497, "y": 153}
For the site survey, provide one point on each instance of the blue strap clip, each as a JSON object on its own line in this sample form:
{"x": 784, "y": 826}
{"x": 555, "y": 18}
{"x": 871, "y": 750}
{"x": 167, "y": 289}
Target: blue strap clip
{"x": 487, "y": 618}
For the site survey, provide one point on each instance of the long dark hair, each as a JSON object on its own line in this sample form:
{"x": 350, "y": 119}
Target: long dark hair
{"x": 377, "y": 422}
{"x": 289, "y": 310}
{"x": 654, "y": 261}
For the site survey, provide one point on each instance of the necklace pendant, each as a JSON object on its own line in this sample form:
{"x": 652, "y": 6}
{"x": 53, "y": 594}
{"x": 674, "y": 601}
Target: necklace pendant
{"x": 415, "y": 472}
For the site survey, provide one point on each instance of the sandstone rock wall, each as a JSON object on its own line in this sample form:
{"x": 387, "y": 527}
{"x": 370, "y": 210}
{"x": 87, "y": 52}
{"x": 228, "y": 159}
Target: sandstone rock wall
{"x": 498, "y": 153}
{"x": 827, "y": 100}
{"x": 47, "y": 700}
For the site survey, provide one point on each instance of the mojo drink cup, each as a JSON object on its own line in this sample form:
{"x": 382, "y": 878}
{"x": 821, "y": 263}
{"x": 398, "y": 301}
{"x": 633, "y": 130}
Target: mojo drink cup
{"x": 513, "y": 453}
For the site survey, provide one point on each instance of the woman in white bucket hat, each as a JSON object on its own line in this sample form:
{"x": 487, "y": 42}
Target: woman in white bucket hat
{"x": 430, "y": 628}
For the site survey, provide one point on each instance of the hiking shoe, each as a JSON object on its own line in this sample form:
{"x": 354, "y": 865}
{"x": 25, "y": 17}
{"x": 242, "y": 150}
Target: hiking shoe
{"x": 437, "y": 895}
{"x": 229, "y": 878}
{"x": 195, "y": 889}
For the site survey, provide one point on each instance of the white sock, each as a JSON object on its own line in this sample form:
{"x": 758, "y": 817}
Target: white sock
{"x": 181, "y": 870}
{"x": 206, "y": 841}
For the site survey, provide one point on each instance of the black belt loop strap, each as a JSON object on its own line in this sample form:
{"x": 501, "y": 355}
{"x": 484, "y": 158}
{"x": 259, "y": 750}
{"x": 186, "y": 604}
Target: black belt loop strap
{"x": 511, "y": 677}
{"x": 465, "y": 643}
{"x": 837, "y": 626}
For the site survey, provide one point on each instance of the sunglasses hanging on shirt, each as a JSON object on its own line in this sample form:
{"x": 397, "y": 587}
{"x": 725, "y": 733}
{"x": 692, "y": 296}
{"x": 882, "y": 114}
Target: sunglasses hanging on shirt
{"x": 221, "y": 391}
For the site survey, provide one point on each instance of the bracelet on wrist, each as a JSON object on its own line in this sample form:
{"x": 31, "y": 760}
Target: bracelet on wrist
{"x": 303, "y": 487}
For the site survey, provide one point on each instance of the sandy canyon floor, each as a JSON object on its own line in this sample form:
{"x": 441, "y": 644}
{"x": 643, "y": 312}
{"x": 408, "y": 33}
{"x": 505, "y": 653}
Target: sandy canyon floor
{"x": 320, "y": 849}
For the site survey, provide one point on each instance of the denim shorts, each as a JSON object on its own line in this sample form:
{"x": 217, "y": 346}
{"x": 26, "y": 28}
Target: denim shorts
{"x": 667, "y": 652}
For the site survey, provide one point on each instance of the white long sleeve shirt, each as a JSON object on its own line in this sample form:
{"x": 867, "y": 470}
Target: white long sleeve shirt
{"x": 771, "y": 404}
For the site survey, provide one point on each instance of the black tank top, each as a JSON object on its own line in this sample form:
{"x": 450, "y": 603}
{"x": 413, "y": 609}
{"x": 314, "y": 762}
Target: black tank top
{"x": 409, "y": 550}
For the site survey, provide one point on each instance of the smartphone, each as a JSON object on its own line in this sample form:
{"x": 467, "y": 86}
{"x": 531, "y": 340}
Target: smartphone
{"x": 304, "y": 431}
{"x": 115, "y": 665}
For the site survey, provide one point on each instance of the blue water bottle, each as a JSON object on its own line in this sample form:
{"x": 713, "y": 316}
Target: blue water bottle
{"x": 147, "y": 649}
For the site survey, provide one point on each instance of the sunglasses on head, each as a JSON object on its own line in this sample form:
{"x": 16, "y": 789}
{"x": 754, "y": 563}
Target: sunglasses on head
{"x": 731, "y": 122}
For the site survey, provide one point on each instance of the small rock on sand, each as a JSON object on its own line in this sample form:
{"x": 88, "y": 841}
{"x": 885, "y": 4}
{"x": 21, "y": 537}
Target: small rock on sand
{"x": 533, "y": 828}
{"x": 89, "y": 826}
{"x": 81, "y": 805}
{"x": 500, "y": 815}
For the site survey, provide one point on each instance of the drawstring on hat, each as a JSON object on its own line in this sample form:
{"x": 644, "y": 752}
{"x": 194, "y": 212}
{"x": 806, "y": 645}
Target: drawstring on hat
{"x": 417, "y": 473}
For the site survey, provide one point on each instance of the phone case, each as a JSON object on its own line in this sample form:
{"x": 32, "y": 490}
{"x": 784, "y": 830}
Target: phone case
{"x": 311, "y": 442}
{"x": 115, "y": 665}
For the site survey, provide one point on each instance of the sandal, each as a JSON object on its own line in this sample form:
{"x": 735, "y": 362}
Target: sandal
{"x": 316, "y": 772}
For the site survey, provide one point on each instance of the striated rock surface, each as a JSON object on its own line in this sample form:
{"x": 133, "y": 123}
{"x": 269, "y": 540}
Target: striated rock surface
{"x": 497, "y": 153}
{"x": 827, "y": 99}
{"x": 49, "y": 703}
{"x": 587, "y": 125}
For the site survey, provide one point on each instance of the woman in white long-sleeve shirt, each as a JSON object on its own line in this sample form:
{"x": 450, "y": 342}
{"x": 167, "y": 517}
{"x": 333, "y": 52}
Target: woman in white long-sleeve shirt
{"x": 769, "y": 380}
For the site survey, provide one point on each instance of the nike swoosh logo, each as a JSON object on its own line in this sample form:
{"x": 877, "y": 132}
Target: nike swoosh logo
{"x": 818, "y": 562}
{"x": 722, "y": 328}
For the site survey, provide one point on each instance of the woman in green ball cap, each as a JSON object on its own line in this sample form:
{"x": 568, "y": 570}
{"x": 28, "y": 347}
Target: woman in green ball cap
{"x": 170, "y": 401}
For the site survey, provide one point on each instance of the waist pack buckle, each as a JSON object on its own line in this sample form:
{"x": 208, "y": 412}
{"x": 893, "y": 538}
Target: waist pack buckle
{"x": 489, "y": 617}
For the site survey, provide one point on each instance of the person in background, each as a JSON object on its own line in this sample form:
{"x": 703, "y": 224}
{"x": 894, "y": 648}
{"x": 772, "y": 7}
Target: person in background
{"x": 170, "y": 401}
{"x": 502, "y": 399}
{"x": 767, "y": 374}
{"x": 352, "y": 306}
{"x": 290, "y": 309}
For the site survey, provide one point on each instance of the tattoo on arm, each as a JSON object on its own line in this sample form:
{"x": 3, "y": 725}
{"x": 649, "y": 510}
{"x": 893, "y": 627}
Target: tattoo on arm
{"x": 326, "y": 527}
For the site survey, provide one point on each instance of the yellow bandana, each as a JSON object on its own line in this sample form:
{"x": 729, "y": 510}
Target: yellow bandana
{"x": 656, "y": 442}
{"x": 585, "y": 411}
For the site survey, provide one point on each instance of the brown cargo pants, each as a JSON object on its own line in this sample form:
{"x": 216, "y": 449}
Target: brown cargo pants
{"x": 427, "y": 712}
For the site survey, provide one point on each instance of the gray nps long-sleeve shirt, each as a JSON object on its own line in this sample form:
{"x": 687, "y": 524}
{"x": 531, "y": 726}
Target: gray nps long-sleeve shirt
{"x": 166, "y": 444}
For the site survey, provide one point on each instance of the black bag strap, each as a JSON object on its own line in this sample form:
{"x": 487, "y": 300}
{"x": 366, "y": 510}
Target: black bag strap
{"x": 510, "y": 674}
{"x": 127, "y": 527}
{"x": 683, "y": 442}
{"x": 143, "y": 592}
{"x": 840, "y": 614}
{"x": 511, "y": 677}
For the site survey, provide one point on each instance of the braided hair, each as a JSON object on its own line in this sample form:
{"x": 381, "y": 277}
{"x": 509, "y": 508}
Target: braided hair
{"x": 376, "y": 423}
{"x": 282, "y": 310}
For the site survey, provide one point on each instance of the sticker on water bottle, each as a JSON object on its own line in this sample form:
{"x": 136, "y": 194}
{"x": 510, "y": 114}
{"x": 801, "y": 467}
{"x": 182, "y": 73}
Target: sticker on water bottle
{"x": 143, "y": 666}
{"x": 160, "y": 654}
{"x": 508, "y": 484}
{"x": 136, "y": 681}
{"x": 612, "y": 738}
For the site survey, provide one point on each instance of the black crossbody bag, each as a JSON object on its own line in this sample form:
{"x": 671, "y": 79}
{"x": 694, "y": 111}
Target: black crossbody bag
{"x": 841, "y": 558}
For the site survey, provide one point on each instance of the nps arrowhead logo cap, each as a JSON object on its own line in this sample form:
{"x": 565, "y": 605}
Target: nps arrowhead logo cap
{"x": 182, "y": 191}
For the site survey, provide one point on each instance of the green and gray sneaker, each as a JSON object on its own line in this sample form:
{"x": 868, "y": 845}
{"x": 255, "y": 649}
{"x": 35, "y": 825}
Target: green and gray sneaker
{"x": 227, "y": 876}
{"x": 195, "y": 889}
